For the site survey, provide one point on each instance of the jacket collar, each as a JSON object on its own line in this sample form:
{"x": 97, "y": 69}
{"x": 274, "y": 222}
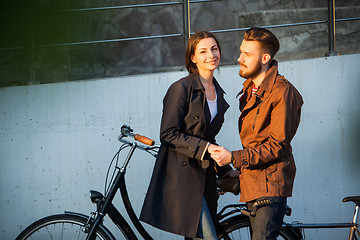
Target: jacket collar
{"x": 197, "y": 85}
{"x": 268, "y": 82}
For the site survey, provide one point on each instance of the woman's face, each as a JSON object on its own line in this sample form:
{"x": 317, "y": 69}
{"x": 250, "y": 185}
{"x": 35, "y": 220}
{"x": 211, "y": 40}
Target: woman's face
{"x": 206, "y": 55}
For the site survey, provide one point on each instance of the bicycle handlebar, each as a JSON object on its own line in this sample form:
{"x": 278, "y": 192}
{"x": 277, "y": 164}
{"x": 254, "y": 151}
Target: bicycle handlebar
{"x": 144, "y": 140}
{"x": 127, "y": 131}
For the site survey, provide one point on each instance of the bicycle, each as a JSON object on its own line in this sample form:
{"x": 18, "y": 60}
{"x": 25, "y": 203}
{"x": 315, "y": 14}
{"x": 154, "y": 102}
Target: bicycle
{"x": 233, "y": 219}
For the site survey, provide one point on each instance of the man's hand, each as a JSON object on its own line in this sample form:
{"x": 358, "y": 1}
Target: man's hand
{"x": 220, "y": 154}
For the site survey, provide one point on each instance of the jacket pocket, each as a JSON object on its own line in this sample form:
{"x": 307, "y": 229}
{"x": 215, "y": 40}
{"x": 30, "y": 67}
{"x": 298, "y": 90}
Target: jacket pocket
{"x": 271, "y": 178}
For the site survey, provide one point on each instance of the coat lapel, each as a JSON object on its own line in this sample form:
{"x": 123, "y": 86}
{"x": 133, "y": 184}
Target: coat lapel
{"x": 222, "y": 105}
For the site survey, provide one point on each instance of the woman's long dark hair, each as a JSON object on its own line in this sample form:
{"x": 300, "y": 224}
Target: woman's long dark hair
{"x": 191, "y": 46}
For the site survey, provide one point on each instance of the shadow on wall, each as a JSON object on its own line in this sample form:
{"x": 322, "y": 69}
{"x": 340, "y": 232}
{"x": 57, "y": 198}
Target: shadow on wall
{"x": 351, "y": 144}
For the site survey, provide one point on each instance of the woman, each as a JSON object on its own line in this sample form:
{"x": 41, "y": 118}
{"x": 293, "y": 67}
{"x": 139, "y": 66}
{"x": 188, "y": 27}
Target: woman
{"x": 182, "y": 196}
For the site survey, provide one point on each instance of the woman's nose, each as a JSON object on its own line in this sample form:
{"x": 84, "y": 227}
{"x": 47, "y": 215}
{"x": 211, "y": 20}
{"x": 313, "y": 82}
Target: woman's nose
{"x": 211, "y": 54}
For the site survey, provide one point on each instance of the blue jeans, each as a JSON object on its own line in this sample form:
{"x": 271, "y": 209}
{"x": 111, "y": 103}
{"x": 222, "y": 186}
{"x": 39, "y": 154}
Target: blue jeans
{"x": 206, "y": 228}
{"x": 268, "y": 220}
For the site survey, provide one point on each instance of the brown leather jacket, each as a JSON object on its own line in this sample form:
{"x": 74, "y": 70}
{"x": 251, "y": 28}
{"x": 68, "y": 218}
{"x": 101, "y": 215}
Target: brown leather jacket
{"x": 267, "y": 124}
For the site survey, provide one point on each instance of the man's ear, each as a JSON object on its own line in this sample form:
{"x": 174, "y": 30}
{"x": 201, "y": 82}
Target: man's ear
{"x": 265, "y": 58}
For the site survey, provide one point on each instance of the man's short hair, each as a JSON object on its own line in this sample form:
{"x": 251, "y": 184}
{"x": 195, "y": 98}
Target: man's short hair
{"x": 269, "y": 42}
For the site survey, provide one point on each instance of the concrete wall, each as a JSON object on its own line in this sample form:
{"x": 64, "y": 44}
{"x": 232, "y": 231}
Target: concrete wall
{"x": 56, "y": 141}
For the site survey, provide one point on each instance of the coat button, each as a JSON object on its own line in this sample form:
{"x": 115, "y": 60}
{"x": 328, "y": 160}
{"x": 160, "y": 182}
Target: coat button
{"x": 184, "y": 163}
{"x": 196, "y": 117}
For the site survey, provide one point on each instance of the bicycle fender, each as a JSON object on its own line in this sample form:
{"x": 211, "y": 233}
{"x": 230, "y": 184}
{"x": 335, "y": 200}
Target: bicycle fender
{"x": 296, "y": 231}
{"x": 86, "y": 217}
{"x": 233, "y": 219}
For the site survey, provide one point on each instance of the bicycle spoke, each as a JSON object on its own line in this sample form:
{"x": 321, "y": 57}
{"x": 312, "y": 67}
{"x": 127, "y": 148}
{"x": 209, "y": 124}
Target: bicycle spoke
{"x": 50, "y": 235}
{"x": 60, "y": 227}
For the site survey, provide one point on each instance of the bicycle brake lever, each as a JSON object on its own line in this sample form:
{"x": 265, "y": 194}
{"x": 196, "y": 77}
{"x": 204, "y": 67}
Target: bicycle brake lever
{"x": 126, "y": 130}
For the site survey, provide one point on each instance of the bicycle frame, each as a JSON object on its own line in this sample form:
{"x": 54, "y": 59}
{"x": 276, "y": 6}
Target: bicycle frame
{"x": 106, "y": 206}
{"x": 352, "y": 225}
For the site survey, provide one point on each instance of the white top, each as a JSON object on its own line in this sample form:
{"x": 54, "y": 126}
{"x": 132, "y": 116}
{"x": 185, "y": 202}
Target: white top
{"x": 212, "y": 106}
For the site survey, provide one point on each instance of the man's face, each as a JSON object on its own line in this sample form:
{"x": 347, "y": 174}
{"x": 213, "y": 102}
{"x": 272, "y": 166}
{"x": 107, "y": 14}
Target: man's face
{"x": 250, "y": 59}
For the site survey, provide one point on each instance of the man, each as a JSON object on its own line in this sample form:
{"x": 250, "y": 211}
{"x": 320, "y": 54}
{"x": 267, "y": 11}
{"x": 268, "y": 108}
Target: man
{"x": 270, "y": 114}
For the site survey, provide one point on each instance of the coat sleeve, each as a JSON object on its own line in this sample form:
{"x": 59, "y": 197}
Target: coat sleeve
{"x": 175, "y": 107}
{"x": 284, "y": 120}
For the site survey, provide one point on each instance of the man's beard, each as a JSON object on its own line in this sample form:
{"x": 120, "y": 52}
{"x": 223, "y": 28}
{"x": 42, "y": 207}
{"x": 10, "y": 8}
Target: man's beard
{"x": 252, "y": 73}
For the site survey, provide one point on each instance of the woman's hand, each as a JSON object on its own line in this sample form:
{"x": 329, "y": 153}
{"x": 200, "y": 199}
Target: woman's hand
{"x": 221, "y": 155}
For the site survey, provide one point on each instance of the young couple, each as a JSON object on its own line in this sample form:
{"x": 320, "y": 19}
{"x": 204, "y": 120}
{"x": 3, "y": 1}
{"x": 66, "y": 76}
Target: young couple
{"x": 182, "y": 196}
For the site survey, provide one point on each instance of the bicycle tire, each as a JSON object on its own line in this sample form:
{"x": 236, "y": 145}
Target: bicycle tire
{"x": 61, "y": 226}
{"x": 238, "y": 228}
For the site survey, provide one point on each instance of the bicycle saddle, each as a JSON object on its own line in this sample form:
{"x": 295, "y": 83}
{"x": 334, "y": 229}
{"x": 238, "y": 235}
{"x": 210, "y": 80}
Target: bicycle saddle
{"x": 355, "y": 199}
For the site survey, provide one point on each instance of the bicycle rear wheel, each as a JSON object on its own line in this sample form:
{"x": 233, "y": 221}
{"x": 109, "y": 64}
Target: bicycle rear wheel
{"x": 239, "y": 228}
{"x": 61, "y": 226}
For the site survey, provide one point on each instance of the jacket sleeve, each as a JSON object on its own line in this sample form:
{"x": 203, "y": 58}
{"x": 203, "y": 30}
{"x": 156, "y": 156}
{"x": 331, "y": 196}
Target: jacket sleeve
{"x": 284, "y": 120}
{"x": 175, "y": 107}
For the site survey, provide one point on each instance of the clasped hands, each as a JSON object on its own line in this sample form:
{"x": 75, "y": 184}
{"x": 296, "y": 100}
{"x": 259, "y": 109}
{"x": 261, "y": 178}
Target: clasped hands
{"x": 221, "y": 155}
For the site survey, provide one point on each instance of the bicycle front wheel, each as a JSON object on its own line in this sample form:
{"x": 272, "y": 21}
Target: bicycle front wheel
{"x": 239, "y": 229}
{"x": 61, "y": 227}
